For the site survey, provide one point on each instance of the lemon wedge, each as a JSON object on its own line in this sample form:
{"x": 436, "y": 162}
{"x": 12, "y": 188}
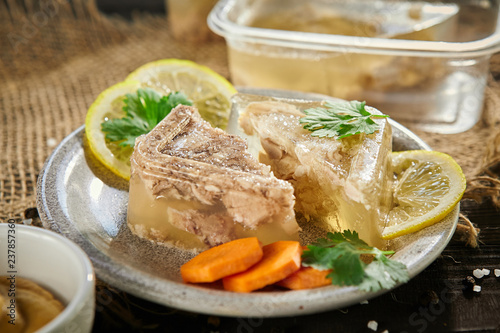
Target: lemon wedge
{"x": 428, "y": 185}
{"x": 210, "y": 92}
{"x": 109, "y": 105}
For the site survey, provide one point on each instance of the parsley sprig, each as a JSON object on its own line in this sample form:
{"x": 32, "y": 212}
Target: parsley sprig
{"x": 344, "y": 253}
{"x": 144, "y": 109}
{"x": 340, "y": 119}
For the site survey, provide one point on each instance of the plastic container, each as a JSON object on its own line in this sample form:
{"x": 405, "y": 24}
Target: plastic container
{"x": 423, "y": 63}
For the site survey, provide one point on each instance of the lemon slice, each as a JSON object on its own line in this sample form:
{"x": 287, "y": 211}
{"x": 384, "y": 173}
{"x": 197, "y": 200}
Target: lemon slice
{"x": 108, "y": 105}
{"x": 428, "y": 185}
{"x": 210, "y": 92}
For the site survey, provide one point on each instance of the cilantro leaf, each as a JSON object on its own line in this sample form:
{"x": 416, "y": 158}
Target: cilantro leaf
{"x": 348, "y": 268}
{"x": 344, "y": 253}
{"x": 340, "y": 119}
{"x": 320, "y": 257}
{"x": 383, "y": 273}
{"x": 144, "y": 109}
{"x": 348, "y": 236}
{"x": 124, "y": 130}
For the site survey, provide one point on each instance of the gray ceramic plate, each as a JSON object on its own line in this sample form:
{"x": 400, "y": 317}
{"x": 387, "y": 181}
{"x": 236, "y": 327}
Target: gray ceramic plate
{"x": 79, "y": 199}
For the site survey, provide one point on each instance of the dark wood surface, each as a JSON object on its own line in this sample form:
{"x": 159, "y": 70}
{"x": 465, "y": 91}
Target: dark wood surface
{"x": 434, "y": 301}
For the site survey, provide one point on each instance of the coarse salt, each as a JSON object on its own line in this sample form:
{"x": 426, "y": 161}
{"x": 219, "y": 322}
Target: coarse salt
{"x": 373, "y": 325}
{"x": 477, "y": 288}
{"x": 478, "y": 273}
{"x": 51, "y": 142}
{"x": 364, "y": 302}
{"x": 497, "y": 272}
{"x": 486, "y": 271}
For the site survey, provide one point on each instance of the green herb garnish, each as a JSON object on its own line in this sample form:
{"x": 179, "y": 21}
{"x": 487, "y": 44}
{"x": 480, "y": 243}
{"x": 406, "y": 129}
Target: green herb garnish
{"x": 344, "y": 253}
{"x": 340, "y": 119}
{"x": 144, "y": 109}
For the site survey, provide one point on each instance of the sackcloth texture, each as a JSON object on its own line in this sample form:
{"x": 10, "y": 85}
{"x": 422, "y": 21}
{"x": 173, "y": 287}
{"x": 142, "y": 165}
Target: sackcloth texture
{"x": 57, "y": 56}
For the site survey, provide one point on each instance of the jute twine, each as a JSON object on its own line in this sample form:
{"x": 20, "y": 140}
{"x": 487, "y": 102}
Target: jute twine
{"x": 57, "y": 56}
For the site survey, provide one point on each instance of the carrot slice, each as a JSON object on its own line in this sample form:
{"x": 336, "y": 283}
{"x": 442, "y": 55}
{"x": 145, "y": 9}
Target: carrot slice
{"x": 280, "y": 259}
{"x": 306, "y": 278}
{"x": 222, "y": 260}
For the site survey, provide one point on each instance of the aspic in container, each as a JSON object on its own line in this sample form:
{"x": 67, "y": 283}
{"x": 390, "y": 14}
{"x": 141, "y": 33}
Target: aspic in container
{"x": 423, "y": 63}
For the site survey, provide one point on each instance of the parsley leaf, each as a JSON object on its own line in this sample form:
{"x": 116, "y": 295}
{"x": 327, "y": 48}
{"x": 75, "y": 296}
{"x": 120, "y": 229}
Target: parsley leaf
{"x": 383, "y": 273}
{"x": 144, "y": 109}
{"x": 341, "y": 119}
{"x": 344, "y": 253}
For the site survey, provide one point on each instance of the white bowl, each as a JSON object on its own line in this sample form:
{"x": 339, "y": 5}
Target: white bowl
{"x": 55, "y": 263}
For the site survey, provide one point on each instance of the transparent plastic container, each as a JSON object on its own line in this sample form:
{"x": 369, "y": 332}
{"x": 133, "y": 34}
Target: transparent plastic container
{"x": 423, "y": 63}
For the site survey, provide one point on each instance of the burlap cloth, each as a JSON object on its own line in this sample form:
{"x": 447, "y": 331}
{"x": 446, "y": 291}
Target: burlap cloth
{"x": 57, "y": 56}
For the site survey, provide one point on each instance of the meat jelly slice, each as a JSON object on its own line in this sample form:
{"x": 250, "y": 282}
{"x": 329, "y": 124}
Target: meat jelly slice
{"x": 195, "y": 186}
{"x": 343, "y": 184}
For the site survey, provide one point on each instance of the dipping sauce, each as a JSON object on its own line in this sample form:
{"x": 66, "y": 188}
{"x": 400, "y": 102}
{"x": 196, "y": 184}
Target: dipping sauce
{"x": 25, "y": 306}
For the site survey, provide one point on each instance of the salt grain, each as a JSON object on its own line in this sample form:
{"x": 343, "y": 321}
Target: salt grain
{"x": 385, "y": 331}
{"x": 497, "y": 272}
{"x": 477, "y": 288}
{"x": 364, "y": 302}
{"x": 478, "y": 273}
{"x": 51, "y": 142}
{"x": 486, "y": 271}
{"x": 373, "y": 325}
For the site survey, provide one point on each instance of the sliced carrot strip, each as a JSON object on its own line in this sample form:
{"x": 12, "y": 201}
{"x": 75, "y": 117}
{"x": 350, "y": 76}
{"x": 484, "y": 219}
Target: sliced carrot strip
{"x": 280, "y": 259}
{"x": 222, "y": 260}
{"x": 306, "y": 278}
